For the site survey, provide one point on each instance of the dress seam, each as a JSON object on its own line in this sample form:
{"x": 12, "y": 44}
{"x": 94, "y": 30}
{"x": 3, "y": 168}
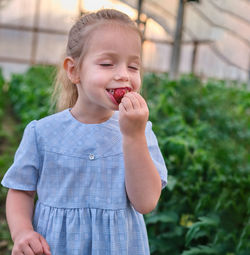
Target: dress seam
{"x": 80, "y": 208}
{"x": 37, "y": 146}
{"x": 86, "y": 155}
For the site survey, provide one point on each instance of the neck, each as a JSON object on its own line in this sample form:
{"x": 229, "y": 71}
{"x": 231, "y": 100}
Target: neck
{"x": 90, "y": 117}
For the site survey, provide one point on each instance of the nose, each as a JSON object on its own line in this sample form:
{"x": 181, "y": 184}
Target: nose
{"x": 121, "y": 74}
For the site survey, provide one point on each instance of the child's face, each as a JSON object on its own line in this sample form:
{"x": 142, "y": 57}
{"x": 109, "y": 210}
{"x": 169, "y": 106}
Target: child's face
{"x": 112, "y": 61}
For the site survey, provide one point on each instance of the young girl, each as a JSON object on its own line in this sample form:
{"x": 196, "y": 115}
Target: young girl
{"x": 96, "y": 165}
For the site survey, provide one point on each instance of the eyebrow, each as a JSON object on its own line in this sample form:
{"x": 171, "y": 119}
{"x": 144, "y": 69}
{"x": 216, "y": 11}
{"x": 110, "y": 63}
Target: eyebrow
{"x": 112, "y": 54}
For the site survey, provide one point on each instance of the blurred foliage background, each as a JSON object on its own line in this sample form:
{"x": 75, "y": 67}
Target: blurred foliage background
{"x": 203, "y": 132}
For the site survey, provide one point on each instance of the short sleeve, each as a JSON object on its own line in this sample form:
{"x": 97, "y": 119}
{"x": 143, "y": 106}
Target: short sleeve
{"x": 23, "y": 173}
{"x": 156, "y": 154}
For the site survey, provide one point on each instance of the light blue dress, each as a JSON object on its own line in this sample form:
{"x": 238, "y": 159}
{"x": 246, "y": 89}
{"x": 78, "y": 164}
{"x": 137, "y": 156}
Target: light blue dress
{"x": 77, "y": 170}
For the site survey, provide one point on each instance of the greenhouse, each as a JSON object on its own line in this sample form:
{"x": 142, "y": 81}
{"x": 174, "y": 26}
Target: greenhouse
{"x": 215, "y": 37}
{"x": 196, "y": 78}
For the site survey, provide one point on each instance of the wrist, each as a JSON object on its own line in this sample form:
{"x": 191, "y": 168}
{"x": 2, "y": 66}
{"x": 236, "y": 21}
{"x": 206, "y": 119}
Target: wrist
{"x": 135, "y": 138}
{"x": 20, "y": 232}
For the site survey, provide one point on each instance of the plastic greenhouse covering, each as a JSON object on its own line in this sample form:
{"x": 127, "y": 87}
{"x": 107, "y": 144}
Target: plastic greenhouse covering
{"x": 215, "y": 34}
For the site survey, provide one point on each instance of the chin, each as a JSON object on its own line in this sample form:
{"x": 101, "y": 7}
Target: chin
{"x": 114, "y": 108}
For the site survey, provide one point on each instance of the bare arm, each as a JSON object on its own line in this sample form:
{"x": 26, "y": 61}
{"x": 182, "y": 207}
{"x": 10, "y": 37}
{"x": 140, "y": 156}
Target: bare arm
{"x": 19, "y": 212}
{"x": 143, "y": 183}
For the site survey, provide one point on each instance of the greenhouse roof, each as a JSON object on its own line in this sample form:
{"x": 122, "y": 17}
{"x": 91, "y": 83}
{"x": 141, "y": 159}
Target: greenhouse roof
{"x": 219, "y": 29}
{"x": 215, "y": 41}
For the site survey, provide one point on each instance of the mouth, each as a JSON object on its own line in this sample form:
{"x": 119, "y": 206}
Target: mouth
{"x": 117, "y": 94}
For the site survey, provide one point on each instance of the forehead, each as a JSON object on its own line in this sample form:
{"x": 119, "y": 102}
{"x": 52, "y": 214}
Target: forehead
{"x": 115, "y": 37}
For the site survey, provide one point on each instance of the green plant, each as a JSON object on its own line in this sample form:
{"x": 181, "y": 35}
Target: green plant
{"x": 203, "y": 132}
{"x": 30, "y": 93}
{"x": 2, "y": 97}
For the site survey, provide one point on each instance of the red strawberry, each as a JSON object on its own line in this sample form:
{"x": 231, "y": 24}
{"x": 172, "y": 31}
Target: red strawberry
{"x": 119, "y": 94}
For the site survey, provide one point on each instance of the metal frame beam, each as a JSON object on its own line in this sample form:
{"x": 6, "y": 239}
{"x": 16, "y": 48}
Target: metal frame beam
{"x": 176, "y": 52}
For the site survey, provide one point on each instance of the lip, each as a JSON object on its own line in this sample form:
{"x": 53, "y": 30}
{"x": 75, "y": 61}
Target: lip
{"x": 128, "y": 88}
{"x": 111, "y": 97}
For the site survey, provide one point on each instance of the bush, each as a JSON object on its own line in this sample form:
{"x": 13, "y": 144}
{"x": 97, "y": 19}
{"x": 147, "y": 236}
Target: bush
{"x": 30, "y": 93}
{"x": 2, "y": 98}
{"x": 4, "y": 162}
{"x": 203, "y": 132}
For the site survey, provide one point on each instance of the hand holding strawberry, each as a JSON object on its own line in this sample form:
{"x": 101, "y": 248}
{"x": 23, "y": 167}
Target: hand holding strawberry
{"x": 133, "y": 115}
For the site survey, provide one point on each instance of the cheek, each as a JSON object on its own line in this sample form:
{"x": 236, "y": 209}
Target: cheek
{"x": 137, "y": 82}
{"x": 100, "y": 76}
{"x": 92, "y": 80}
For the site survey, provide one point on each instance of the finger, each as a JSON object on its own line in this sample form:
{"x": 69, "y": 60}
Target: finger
{"x": 36, "y": 246}
{"x": 46, "y": 248}
{"x": 16, "y": 252}
{"x": 121, "y": 108}
{"x": 134, "y": 100}
{"x": 127, "y": 104}
{"x": 27, "y": 250}
{"x": 141, "y": 100}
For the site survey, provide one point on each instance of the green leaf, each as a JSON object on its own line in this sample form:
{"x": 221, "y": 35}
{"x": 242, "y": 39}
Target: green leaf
{"x": 201, "y": 228}
{"x": 201, "y": 250}
{"x": 168, "y": 217}
{"x": 171, "y": 182}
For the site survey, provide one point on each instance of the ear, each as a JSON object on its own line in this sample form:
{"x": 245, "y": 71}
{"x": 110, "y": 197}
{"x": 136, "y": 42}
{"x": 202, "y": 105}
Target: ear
{"x": 69, "y": 65}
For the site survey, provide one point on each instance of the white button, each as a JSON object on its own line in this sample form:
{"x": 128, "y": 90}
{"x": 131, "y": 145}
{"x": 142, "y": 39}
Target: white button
{"x": 91, "y": 156}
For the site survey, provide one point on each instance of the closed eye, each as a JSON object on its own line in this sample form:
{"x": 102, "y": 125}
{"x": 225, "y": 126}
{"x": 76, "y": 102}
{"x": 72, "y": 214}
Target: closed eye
{"x": 133, "y": 67}
{"x": 105, "y": 64}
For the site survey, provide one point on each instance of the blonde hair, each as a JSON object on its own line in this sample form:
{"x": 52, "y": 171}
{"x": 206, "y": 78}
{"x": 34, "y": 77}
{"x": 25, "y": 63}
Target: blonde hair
{"x": 65, "y": 92}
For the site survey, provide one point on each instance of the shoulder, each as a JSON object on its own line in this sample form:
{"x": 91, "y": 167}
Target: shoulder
{"x": 49, "y": 125}
{"x": 51, "y": 120}
{"x": 55, "y": 121}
